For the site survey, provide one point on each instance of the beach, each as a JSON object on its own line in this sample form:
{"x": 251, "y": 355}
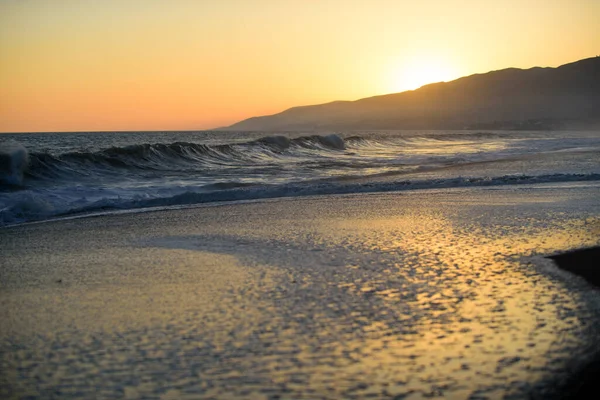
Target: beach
{"x": 411, "y": 294}
{"x": 299, "y": 200}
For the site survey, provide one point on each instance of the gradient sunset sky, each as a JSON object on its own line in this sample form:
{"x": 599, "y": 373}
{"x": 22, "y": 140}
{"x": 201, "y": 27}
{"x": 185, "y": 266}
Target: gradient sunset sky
{"x": 89, "y": 65}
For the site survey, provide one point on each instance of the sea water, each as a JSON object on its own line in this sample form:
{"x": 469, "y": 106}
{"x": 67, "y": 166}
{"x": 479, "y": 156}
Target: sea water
{"x": 46, "y": 175}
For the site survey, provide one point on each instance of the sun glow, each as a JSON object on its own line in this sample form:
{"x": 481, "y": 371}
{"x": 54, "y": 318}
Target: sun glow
{"x": 413, "y": 73}
{"x": 80, "y": 65}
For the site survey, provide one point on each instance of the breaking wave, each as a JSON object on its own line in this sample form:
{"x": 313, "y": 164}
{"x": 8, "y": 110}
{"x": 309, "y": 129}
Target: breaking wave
{"x": 14, "y": 160}
{"x": 54, "y": 175}
{"x": 173, "y": 157}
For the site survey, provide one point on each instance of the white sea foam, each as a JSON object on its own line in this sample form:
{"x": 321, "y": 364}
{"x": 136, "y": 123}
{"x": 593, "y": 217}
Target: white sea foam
{"x": 13, "y": 162}
{"x": 31, "y": 206}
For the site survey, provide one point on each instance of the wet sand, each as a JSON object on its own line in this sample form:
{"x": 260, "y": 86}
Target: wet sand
{"x": 398, "y": 295}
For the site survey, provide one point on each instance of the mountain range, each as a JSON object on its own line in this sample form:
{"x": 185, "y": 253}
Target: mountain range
{"x": 566, "y": 97}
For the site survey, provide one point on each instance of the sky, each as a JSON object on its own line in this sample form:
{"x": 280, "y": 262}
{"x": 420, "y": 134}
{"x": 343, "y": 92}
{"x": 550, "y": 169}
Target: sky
{"x": 102, "y": 65}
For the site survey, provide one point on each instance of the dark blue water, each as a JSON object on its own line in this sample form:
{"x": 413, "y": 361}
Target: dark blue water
{"x": 55, "y": 174}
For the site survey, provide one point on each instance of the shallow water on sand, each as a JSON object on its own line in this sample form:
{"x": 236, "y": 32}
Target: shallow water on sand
{"x": 406, "y": 294}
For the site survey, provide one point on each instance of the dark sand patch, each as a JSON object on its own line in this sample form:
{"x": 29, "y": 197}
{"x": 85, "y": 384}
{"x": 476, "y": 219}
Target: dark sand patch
{"x": 583, "y": 262}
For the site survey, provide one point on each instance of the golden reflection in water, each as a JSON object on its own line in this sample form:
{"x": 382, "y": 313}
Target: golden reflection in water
{"x": 482, "y": 313}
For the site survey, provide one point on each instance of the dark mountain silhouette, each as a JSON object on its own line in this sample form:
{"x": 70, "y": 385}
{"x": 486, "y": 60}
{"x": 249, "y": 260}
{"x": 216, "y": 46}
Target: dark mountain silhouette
{"x": 536, "y": 98}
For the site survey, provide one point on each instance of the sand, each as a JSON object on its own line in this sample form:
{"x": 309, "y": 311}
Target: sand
{"x": 402, "y": 295}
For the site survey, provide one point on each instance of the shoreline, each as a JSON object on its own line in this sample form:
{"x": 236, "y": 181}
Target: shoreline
{"x": 590, "y": 184}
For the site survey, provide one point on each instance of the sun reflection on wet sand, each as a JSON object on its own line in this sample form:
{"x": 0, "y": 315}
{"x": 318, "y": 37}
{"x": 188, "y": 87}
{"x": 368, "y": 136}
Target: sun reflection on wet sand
{"x": 482, "y": 315}
{"x": 379, "y": 295}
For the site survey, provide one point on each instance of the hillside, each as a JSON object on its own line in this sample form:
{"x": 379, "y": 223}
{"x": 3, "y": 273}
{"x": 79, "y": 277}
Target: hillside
{"x": 538, "y": 98}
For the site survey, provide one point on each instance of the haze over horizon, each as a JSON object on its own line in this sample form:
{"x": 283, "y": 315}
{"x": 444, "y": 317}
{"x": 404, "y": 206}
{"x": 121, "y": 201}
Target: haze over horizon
{"x": 186, "y": 65}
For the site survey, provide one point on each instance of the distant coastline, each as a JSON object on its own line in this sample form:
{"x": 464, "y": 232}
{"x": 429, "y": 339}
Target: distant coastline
{"x": 566, "y": 97}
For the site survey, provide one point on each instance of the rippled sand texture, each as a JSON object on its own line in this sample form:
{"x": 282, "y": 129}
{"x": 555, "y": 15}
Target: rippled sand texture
{"x": 406, "y": 295}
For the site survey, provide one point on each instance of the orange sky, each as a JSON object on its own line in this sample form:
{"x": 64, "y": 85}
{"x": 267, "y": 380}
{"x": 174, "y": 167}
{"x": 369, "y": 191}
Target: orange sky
{"x": 88, "y": 65}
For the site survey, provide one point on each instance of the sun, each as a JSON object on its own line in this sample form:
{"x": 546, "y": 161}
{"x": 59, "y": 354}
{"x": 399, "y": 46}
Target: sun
{"x": 413, "y": 73}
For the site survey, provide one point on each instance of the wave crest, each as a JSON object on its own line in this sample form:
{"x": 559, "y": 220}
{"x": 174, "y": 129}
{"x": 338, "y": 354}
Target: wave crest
{"x": 13, "y": 163}
{"x": 178, "y": 156}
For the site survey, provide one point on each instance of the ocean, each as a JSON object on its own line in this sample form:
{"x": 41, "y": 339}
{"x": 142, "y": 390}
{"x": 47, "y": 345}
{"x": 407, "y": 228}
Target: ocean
{"x": 50, "y": 175}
